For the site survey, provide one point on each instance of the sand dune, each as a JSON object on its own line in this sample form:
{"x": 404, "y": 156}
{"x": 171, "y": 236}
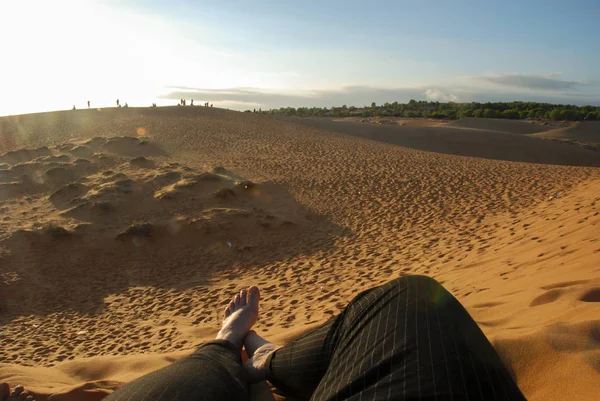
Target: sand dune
{"x": 502, "y": 125}
{"x": 452, "y": 139}
{"x": 588, "y": 131}
{"x": 130, "y": 251}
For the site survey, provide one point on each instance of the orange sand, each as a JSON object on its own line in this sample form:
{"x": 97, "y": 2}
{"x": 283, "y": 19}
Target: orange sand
{"x": 118, "y": 255}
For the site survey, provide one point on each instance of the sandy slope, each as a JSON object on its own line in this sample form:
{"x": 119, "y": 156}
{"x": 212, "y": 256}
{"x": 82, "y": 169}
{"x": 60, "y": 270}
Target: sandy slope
{"x": 588, "y": 131}
{"x": 456, "y": 140}
{"x": 143, "y": 265}
{"x": 520, "y": 127}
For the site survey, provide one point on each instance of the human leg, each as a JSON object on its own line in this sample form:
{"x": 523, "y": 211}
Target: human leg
{"x": 213, "y": 372}
{"x": 407, "y": 339}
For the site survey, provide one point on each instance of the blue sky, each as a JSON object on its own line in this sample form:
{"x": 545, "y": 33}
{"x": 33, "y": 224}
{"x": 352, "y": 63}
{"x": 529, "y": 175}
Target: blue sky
{"x": 264, "y": 53}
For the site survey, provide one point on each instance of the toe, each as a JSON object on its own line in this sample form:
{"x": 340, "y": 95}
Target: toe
{"x": 4, "y": 391}
{"x": 243, "y": 295}
{"x": 227, "y": 312}
{"x": 23, "y": 396}
{"x": 18, "y": 390}
{"x": 253, "y": 296}
{"x": 231, "y": 307}
{"x": 237, "y": 300}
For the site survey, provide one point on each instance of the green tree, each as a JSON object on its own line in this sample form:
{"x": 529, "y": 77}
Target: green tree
{"x": 555, "y": 114}
{"x": 422, "y": 108}
{"x": 511, "y": 114}
{"x": 569, "y": 115}
{"x": 490, "y": 113}
{"x": 465, "y": 113}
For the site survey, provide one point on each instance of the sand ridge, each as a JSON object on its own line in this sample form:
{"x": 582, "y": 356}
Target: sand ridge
{"x": 483, "y": 139}
{"x": 361, "y": 212}
{"x": 588, "y": 131}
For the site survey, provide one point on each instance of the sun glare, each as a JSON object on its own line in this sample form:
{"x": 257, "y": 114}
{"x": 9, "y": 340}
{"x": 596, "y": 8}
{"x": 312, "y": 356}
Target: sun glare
{"x": 69, "y": 52}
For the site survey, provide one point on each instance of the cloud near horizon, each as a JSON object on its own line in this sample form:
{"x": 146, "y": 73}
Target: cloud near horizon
{"x": 247, "y": 98}
{"x": 542, "y": 82}
{"x": 439, "y": 96}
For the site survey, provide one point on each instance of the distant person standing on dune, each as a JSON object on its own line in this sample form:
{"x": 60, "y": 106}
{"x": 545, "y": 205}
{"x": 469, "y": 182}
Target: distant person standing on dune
{"x": 88, "y": 104}
{"x": 192, "y": 102}
{"x": 118, "y": 103}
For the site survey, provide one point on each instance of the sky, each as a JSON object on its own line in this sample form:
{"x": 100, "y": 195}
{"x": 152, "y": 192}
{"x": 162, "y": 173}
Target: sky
{"x": 243, "y": 54}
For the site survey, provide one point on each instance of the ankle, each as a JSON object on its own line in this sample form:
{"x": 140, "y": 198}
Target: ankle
{"x": 231, "y": 337}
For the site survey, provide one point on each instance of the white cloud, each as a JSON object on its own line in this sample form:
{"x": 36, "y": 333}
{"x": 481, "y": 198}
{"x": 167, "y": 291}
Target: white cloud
{"x": 540, "y": 82}
{"x": 439, "y": 96}
{"x": 244, "y": 98}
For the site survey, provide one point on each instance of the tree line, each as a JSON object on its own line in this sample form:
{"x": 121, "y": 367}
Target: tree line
{"x": 448, "y": 111}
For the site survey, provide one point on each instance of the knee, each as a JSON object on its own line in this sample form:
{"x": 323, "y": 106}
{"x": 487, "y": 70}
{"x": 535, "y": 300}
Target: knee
{"x": 423, "y": 287}
{"x": 423, "y": 280}
{"x": 416, "y": 280}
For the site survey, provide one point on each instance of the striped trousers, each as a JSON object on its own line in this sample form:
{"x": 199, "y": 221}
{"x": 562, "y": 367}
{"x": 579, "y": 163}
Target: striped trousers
{"x": 409, "y": 339}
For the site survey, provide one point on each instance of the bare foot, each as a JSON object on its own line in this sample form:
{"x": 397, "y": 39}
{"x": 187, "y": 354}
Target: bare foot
{"x": 258, "y": 350}
{"x": 18, "y": 394}
{"x": 240, "y": 316}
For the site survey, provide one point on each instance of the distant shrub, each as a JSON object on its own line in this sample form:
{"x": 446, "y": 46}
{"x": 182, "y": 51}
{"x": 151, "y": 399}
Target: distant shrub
{"x": 555, "y": 114}
{"x": 490, "y": 113}
{"x": 449, "y": 110}
{"x": 511, "y": 114}
{"x": 571, "y": 115}
{"x": 465, "y": 113}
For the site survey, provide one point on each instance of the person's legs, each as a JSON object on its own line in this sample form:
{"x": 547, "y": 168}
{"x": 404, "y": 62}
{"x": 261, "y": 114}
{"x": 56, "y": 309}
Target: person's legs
{"x": 298, "y": 367}
{"x": 408, "y": 339}
{"x": 213, "y": 372}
